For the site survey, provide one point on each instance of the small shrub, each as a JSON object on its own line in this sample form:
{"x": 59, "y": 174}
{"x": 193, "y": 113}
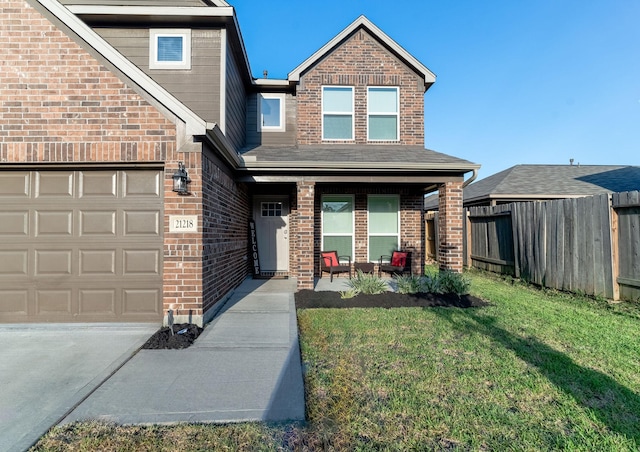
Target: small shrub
{"x": 451, "y": 282}
{"x": 408, "y": 284}
{"x": 430, "y": 283}
{"x": 351, "y": 293}
{"x": 367, "y": 283}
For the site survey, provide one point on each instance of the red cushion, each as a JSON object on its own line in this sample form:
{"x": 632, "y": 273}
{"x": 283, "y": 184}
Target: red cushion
{"x": 398, "y": 259}
{"x": 330, "y": 259}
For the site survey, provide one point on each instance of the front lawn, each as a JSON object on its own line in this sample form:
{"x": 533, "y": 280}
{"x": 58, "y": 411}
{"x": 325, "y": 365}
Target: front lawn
{"x": 536, "y": 370}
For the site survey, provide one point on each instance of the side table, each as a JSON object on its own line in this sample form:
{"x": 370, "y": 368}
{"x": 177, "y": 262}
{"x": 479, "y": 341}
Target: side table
{"x": 364, "y": 267}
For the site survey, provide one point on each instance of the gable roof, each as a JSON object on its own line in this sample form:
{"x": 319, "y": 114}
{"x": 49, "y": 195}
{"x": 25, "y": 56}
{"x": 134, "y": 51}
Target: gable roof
{"x": 362, "y": 22}
{"x": 540, "y": 182}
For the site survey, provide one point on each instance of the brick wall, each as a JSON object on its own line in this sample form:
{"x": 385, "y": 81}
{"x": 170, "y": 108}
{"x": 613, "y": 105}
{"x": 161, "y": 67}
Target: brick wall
{"x": 226, "y": 213}
{"x": 361, "y": 62}
{"x": 58, "y": 104}
{"x": 450, "y": 226}
{"x": 303, "y": 220}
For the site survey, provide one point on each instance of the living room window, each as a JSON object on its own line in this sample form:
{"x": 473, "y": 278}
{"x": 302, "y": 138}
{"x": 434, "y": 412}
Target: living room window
{"x": 170, "y": 49}
{"x": 337, "y": 224}
{"x": 271, "y": 112}
{"x": 384, "y": 225}
{"x": 337, "y": 113}
{"x": 382, "y": 111}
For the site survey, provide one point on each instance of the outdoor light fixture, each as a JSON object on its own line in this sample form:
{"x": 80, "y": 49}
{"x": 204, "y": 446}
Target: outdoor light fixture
{"x": 180, "y": 180}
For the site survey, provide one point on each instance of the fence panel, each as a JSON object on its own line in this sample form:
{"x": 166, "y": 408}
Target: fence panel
{"x": 627, "y": 206}
{"x": 492, "y": 239}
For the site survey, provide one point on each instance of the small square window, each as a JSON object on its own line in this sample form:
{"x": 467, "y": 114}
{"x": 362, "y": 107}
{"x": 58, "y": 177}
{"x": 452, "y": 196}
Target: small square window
{"x": 170, "y": 49}
{"x": 271, "y": 209}
{"x": 271, "y": 113}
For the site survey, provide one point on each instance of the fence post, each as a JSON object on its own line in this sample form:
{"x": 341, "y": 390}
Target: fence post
{"x": 615, "y": 260}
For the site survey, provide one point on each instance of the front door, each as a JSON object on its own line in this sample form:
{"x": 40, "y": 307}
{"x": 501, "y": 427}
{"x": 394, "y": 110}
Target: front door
{"x": 271, "y": 214}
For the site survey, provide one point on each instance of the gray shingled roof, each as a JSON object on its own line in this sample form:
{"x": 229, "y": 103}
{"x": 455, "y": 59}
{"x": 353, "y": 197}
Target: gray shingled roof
{"x": 350, "y": 156}
{"x": 550, "y": 181}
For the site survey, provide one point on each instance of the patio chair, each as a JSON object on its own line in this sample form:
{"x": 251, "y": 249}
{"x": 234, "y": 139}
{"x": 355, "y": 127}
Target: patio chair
{"x": 330, "y": 262}
{"x": 398, "y": 263}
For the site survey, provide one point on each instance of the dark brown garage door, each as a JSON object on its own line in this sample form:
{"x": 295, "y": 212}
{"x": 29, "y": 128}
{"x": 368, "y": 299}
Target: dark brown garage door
{"x": 81, "y": 246}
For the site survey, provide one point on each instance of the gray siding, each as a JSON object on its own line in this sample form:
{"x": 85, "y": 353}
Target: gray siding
{"x": 257, "y": 138}
{"x": 235, "y": 103}
{"x": 199, "y": 87}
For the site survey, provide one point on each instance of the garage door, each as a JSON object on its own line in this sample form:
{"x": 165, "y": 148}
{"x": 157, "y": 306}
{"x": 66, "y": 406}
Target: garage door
{"x": 81, "y": 246}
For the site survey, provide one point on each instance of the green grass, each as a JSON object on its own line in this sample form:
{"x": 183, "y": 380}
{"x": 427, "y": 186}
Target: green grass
{"x": 537, "y": 370}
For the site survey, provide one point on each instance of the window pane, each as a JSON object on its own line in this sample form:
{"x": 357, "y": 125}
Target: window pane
{"x": 383, "y": 100}
{"x": 337, "y": 100}
{"x": 383, "y": 127}
{"x": 342, "y": 244}
{"x": 381, "y": 246}
{"x": 383, "y": 215}
{"x": 170, "y": 48}
{"x": 270, "y": 110}
{"x": 337, "y": 215}
{"x": 338, "y": 127}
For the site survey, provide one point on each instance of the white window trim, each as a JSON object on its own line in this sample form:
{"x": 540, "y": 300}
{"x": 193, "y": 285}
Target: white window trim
{"x": 377, "y": 234}
{"x": 282, "y": 126}
{"x": 340, "y": 234}
{"x": 352, "y": 114}
{"x": 155, "y": 33}
{"x": 379, "y": 113}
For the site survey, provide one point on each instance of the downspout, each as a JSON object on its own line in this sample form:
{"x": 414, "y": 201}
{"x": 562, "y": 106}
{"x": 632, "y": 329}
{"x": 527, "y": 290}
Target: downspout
{"x": 471, "y": 179}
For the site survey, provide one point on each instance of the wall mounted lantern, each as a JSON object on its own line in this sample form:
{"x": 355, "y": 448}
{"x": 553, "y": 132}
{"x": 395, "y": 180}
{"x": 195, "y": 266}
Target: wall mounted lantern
{"x": 180, "y": 180}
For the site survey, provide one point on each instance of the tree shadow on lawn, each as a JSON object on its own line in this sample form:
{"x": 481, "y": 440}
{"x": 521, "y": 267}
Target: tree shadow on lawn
{"x": 612, "y": 403}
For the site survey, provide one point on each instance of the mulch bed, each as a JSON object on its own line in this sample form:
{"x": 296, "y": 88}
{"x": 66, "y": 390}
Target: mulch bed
{"x": 184, "y": 334}
{"x": 306, "y": 299}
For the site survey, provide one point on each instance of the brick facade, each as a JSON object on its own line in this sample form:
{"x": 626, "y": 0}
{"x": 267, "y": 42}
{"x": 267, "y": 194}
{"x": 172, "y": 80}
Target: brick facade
{"x": 301, "y": 223}
{"x": 226, "y": 212}
{"x": 361, "y": 62}
{"x": 58, "y": 104}
{"x": 450, "y": 226}
{"x": 69, "y": 108}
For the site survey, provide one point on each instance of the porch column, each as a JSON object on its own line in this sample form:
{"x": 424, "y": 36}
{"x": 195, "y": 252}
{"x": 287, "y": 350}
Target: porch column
{"x": 304, "y": 241}
{"x": 450, "y": 226}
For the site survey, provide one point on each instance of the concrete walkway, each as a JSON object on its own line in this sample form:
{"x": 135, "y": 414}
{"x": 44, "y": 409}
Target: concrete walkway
{"x": 245, "y": 366}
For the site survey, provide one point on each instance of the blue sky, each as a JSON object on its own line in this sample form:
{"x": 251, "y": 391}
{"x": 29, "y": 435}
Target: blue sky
{"x": 517, "y": 81}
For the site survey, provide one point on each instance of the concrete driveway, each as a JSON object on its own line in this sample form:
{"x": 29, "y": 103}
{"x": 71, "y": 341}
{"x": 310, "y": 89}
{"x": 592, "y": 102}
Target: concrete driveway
{"x": 47, "y": 369}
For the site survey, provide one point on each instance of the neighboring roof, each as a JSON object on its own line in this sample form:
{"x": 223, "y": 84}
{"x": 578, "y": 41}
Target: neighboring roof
{"x": 363, "y": 22}
{"x": 537, "y": 182}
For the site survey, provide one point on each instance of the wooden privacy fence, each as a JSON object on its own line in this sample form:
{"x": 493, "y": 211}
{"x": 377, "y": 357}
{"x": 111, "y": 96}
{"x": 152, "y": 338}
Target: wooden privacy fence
{"x": 589, "y": 245}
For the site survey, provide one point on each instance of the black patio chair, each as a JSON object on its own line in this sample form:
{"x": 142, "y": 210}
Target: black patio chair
{"x": 330, "y": 262}
{"x": 398, "y": 263}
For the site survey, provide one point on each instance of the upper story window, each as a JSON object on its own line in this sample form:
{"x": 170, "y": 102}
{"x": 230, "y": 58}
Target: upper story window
{"x": 383, "y": 118}
{"x": 337, "y": 113}
{"x": 170, "y": 49}
{"x": 271, "y": 112}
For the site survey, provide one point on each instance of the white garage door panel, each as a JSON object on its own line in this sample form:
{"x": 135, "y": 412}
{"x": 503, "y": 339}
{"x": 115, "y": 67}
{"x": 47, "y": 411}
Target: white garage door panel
{"x": 81, "y": 246}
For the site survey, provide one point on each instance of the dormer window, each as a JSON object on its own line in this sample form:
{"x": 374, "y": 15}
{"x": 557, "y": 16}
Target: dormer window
{"x": 337, "y": 113}
{"x": 170, "y": 49}
{"x": 271, "y": 113}
{"x": 383, "y": 119}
